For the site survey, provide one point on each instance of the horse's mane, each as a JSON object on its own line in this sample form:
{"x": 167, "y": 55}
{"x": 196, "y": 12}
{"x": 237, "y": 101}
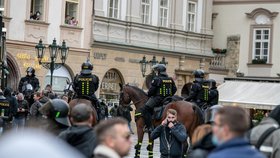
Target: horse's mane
{"x": 137, "y": 89}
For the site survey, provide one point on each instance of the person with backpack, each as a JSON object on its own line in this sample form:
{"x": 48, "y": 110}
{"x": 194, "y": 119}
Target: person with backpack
{"x": 266, "y": 135}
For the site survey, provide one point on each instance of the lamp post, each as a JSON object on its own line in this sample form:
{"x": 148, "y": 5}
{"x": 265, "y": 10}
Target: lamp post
{"x": 53, "y": 50}
{"x": 144, "y": 62}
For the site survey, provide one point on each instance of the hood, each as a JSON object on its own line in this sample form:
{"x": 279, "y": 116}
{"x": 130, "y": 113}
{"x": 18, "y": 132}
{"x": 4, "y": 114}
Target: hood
{"x": 275, "y": 114}
{"x": 75, "y": 134}
{"x": 7, "y": 92}
{"x": 44, "y": 99}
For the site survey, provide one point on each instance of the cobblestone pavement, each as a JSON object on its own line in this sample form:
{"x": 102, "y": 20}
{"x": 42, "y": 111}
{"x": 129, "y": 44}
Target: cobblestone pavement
{"x": 144, "y": 152}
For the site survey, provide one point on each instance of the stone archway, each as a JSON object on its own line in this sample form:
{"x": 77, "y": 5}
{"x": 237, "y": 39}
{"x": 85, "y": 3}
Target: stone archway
{"x": 109, "y": 86}
{"x": 12, "y": 79}
{"x": 186, "y": 90}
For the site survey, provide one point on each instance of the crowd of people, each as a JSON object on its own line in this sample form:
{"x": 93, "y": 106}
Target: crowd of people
{"x": 227, "y": 131}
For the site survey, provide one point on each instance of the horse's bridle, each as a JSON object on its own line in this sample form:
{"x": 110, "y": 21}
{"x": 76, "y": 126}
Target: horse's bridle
{"x": 128, "y": 97}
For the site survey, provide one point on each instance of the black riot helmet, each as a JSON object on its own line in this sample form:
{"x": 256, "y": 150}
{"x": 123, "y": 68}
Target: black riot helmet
{"x": 198, "y": 73}
{"x": 58, "y": 110}
{"x": 210, "y": 113}
{"x": 30, "y": 70}
{"x": 160, "y": 69}
{"x": 212, "y": 83}
{"x": 86, "y": 67}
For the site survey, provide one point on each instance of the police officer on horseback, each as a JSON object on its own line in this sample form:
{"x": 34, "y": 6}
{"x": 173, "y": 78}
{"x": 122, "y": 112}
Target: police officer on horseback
{"x": 162, "y": 86}
{"x": 199, "y": 90}
{"x": 29, "y": 84}
{"x": 213, "y": 93}
{"x": 86, "y": 84}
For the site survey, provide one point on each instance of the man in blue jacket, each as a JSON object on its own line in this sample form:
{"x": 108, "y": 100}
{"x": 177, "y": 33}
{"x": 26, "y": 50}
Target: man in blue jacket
{"x": 229, "y": 126}
{"x": 172, "y": 136}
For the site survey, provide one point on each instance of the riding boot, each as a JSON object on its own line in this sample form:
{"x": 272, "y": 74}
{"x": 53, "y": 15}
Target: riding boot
{"x": 147, "y": 119}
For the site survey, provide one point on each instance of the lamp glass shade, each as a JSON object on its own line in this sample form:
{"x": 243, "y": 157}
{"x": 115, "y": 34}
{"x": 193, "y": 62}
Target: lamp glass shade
{"x": 64, "y": 52}
{"x": 40, "y": 50}
{"x": 53, "y": 48}
{"x": 143, "y": 65}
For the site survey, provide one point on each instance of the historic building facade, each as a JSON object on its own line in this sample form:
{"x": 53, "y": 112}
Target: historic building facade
{"x": 249, "y": 30}
{"x": 126, "y": 30}
{"x": 28, "y": 21}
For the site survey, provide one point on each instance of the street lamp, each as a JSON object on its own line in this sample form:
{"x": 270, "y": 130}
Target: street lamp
{"x": 53, "y": 50}
{"x": 144, "y": 62}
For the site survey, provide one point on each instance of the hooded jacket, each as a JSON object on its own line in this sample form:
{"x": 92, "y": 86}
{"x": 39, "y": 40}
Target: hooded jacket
{"x": 81, "y": 137}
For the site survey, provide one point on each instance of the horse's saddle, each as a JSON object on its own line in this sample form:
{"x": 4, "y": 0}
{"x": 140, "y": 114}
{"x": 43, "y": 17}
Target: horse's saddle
{"x": 158, "y": 111}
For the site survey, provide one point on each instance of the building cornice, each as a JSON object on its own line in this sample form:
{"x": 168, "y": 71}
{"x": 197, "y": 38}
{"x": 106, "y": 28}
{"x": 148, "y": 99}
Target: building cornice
{"x": 32, "y": 44}
{"x": 142, "y": 50}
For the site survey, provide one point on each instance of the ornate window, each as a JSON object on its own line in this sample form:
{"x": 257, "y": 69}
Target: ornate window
{"x": 71, "y": 12}
{"x": 261, "y": 36}
{"x": 37, "y": 10}
{"x": 163, "y": 8}
{"x": 114, "y": 8}
{"x": 146, "y": 11}
{"x": 261, "y": 44}
{"x": 191, "y": 16}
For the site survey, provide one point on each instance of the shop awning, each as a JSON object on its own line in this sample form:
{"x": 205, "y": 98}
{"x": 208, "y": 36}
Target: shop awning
{"x": 248, "y": 94}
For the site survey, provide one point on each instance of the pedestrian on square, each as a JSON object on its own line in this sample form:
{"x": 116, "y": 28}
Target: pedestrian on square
{"x": 35, "y": 115}
{"x": 81, "y": 135}
{"x": 113, "y": 138}
{"x": 172, "y": 136}
{"x": 124, "y": 111}
{"x": 22, "y": 112}
{"x": 229, "y": 126}
{"x": 271, "y": 144}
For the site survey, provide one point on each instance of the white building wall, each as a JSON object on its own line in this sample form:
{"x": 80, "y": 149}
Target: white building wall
{"x": 17, "y": 25}
{"x": 54, "y": 20}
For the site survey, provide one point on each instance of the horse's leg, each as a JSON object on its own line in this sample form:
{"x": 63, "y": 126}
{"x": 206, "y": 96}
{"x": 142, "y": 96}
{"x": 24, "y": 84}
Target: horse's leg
{"x": 186, "y": 147}
{"x": 140, "y": 134}
{"x": 150, "y": 147}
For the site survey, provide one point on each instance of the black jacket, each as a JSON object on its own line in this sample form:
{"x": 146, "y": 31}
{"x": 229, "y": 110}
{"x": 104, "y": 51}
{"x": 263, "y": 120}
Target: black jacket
{"x": 31, "y": 80}
{"x": 81, "y": 137}
{"x": 171, "y": 140}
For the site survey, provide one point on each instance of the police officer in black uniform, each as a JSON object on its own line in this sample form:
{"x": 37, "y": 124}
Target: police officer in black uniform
{"x": 86, "y": 84}
{"x": 199, "y": 90}
{"x": 162, "y": 86}
{"x": 213, "y": 93}
{"x": 25, "y": 82}
{"x": 5, "y": 112}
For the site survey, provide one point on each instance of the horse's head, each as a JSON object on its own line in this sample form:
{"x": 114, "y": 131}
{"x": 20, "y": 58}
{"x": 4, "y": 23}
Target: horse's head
{"x": 124, "y": 98}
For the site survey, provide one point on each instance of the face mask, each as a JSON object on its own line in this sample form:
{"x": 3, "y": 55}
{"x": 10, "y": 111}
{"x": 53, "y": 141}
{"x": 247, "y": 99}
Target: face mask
{"x": 215, "y": 140}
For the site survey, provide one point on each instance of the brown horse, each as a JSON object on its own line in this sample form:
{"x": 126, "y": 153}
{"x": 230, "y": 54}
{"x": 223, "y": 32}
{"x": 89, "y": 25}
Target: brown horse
{"x": 188, "y": 114}
{"x": 76, "y": 101}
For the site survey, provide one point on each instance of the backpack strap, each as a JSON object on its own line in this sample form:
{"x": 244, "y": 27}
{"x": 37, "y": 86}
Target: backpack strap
{"x": 265, "y": 135}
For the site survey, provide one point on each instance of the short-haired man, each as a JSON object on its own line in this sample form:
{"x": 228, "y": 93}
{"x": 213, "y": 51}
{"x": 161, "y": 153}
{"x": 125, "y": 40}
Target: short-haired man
{"x": 113, "y": 138}
{"x": 172, "y": 136}
{"x": 81, "y": 135}
{"x": 229, "y": 126}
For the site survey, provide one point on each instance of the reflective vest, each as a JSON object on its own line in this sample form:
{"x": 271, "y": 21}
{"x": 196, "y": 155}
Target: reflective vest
{"x": 4, "y": 108}
{"x": 86, "y": 86}
{"x": 166, "y": 86}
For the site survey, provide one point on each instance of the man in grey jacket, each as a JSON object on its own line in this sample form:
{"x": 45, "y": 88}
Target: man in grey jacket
{"x": 172, "y": 136}
{"x": 271, "y": 145}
